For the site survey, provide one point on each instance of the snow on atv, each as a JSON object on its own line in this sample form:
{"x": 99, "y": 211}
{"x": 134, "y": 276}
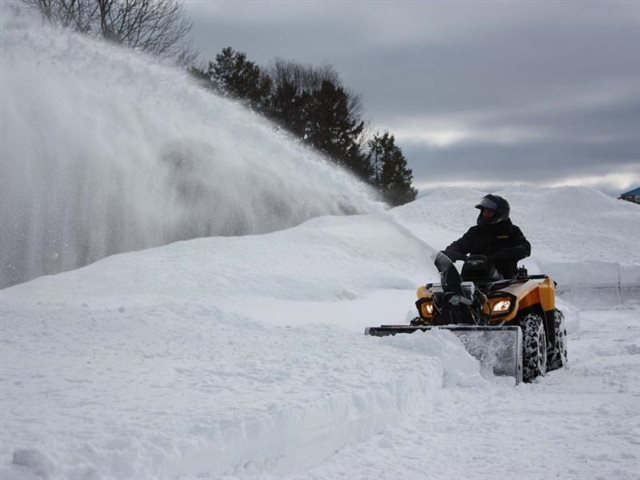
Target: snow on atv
{"x": 512, "y": 326}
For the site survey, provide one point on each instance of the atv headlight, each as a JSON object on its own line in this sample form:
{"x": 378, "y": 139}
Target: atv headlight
{"x": 425, "y": 307}
{"x": 501, "y": 306}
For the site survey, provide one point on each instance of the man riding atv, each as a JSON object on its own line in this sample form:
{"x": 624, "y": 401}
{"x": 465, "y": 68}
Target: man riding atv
{"x": 504, "y": 316}
{"x": 494, "y": 236}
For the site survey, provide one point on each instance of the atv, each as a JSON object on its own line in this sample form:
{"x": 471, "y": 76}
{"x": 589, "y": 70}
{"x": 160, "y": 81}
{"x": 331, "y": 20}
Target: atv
{"x": 511, "y": 325}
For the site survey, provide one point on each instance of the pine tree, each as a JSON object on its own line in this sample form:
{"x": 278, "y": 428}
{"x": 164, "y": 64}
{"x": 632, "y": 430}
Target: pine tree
{"x": 311, "y": 103}
{"x": 200, "y": 76}
{"x": 391, "y": 176}
{"x": 286, "y": 107}
{"x": 332, "y": 126}
{"x": 235, "y": 76}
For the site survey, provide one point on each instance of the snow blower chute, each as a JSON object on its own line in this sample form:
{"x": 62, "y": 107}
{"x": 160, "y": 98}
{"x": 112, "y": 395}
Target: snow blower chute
{"x": 511, "y": 326}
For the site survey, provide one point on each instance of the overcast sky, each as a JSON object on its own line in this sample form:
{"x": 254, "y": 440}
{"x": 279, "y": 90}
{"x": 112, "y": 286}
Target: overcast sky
{"x": 485, "y": 94}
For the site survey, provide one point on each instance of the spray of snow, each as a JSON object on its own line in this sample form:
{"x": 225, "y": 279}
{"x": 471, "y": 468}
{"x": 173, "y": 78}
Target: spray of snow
{"x": 459, "y": 368}
{"x": 105, "y": 151}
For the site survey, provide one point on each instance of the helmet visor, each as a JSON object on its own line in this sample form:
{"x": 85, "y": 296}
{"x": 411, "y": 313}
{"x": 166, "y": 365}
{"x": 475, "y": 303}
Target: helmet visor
{"x": 487, "y": 203}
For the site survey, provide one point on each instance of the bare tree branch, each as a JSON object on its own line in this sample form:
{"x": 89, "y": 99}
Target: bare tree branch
{"x": 153, "y": 26}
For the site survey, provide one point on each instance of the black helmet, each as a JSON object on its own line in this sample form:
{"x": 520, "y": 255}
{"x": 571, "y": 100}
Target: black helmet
{"x": 495, "y": 203}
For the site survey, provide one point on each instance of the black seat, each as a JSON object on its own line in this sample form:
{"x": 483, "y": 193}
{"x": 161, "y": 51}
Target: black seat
{"x": 478, "y": 269}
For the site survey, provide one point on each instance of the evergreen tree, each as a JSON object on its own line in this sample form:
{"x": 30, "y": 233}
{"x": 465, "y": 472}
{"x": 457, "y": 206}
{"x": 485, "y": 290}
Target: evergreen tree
{"x": 200, "y": 76}
{"x": 311, "y": 103}
{"x": 391, "y": 176}
{"x": 293, "y": 85}
{"x": 235, "y": 76}
{"x": 333, "y": 127}
{"x": 286, "y": 107}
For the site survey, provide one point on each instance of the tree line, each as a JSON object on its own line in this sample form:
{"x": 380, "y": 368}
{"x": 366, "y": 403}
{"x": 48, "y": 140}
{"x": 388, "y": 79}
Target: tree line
{"x": 312, "y": 104}
{"x": 309, "y": 102}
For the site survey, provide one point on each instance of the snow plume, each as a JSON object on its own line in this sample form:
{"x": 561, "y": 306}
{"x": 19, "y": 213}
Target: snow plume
{"x": 105, "y": 151}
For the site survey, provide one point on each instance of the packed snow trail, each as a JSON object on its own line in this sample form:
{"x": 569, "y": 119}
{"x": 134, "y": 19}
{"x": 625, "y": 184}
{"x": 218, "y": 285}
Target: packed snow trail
{"x": 222, "y": 395}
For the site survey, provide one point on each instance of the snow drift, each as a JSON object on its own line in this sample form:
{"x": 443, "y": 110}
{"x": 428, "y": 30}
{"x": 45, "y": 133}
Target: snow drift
{"x": 200, "y": 338}
{"x": 586, "y": 240}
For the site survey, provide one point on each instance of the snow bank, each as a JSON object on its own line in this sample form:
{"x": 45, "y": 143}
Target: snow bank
{"x": 192, "y": 359}
{"x": 586, "y": 240}
{"x": 328, "y": 258}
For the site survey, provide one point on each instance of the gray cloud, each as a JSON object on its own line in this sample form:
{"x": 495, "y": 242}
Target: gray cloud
{"x": 524, "y": 92}
{"x": 522, "y": 162}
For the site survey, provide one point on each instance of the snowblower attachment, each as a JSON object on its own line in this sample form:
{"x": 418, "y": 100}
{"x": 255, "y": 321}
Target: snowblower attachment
{"x": 497, "y": 348}
{"x": 510, "y": 325}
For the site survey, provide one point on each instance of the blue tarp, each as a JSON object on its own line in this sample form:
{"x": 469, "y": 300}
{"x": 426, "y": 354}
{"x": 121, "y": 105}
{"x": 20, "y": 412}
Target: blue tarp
{"x": 631, "y": 193}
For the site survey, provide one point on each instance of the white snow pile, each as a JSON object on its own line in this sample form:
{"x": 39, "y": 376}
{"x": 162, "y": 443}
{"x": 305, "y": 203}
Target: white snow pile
{"x": 185, "y": 360}
{"x": 586, "y": 240}
{"x": 244, "y": 357}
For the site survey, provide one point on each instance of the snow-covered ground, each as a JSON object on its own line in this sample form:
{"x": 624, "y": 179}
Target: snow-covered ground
{"x": 244, "y": 357}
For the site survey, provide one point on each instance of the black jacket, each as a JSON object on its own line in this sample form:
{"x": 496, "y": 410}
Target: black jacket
{"x": 502, "y": 242}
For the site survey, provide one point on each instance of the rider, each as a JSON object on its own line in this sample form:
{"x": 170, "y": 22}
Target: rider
{"x": 494, "y": 236}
